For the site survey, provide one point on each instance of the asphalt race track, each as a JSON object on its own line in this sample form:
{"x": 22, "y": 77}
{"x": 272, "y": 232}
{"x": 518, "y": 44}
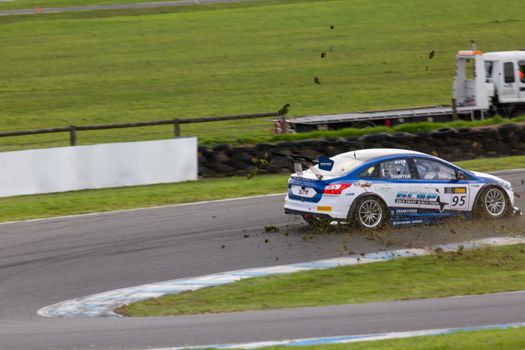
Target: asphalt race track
{"x": 47, "y": 261}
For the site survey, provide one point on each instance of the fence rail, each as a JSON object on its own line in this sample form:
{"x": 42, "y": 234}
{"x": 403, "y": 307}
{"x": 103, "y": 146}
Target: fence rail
{"x": 73, "y": 129}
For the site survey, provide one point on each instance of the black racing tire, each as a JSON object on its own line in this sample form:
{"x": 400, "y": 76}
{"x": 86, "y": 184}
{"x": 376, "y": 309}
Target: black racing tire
{"x": 492, "y": 203}
{"x": 370, "y": 213}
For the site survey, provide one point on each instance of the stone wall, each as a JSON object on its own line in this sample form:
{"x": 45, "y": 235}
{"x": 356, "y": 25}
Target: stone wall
{"x": 447, "y": 143}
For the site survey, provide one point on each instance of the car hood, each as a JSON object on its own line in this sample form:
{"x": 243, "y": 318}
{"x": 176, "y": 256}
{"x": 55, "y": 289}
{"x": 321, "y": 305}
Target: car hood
{"x": 492, "y": 179}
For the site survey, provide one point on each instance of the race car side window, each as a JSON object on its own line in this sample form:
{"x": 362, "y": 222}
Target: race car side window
{"x": 430, "y": 169}
{"x": 395, "y": 169}
{"x": 371, "y": 172}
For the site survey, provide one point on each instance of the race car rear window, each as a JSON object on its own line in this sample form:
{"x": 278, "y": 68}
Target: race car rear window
{"x": 342, "y": 165}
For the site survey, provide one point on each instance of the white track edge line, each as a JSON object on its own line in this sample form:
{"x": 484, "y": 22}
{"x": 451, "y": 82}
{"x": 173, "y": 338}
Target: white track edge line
{"x": 345, "y": 339}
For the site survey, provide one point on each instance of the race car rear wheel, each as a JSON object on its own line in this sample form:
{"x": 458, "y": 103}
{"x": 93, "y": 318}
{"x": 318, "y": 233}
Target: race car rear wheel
{"x": 370, "y": 213}
{"x": 493, "y": 203}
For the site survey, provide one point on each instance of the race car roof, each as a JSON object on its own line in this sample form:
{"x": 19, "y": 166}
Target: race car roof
{"x": 365, "y": 155}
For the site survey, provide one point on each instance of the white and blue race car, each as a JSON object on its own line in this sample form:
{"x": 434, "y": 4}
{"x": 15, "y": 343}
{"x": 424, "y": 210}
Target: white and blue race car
{"x": 374, "y": 186}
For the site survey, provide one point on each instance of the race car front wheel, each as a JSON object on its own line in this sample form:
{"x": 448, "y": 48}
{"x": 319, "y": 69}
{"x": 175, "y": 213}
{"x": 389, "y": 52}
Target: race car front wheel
{"x": 370, "y": 213}
{"x": 493, "y": 203}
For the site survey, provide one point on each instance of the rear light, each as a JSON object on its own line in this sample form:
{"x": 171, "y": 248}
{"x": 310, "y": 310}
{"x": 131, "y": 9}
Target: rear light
{"x": 336, "y": 188}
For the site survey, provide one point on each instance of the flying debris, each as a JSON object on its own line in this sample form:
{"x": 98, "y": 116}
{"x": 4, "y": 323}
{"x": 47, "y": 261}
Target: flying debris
{"x": 317, "y": 80}
{"x": 284, "y": 109}
{"x": 432, "y": 54}
{"x": 271, "y": 228}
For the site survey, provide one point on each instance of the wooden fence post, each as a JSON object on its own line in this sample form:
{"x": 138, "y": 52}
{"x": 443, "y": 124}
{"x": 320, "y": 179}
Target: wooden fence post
{"x": 176, "y": 127}
{"x": 73, "y": 135}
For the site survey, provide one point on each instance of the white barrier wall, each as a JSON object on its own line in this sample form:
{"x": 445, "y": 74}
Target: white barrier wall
{"x": 97, "y": 166}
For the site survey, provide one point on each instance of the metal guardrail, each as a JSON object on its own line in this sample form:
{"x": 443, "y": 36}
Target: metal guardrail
{"x": 73, "y": 129}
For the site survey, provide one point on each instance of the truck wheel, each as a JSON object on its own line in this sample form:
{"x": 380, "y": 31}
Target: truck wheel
{"x": 362, "y": 125}
{"x": 518, "y": 111}
{"x": 509, "y": 111}
{"x": 370, "y": 213}
{"x": 492, "y": 203}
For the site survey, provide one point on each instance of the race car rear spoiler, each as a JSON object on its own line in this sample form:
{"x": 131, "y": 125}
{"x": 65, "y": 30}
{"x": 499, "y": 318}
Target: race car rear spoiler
{"x": 324, "y": 163}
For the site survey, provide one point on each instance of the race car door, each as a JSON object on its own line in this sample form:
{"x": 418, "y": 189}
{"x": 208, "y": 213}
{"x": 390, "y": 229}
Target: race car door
{"x": 452, "y": 193}
{"x": 396, "y": 182}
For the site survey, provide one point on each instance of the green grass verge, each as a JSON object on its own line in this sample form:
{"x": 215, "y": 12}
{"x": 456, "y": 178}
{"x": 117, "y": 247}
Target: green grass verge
{"x": 410, "y": 128}
{"x": 493, "y": 164}
{"x": 80, "y": 202}
{"x": 480, "y": 271}
{"x": 88, "y": 201}
{"x": 507, "y": 339}
{"x": 135, "y": 65}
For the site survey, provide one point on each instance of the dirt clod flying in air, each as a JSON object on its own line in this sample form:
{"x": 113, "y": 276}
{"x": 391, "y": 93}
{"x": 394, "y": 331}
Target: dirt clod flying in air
{"x": 284, "y": 109}
{"x": 271, "y": 228}
{"x": 257, "y": 164}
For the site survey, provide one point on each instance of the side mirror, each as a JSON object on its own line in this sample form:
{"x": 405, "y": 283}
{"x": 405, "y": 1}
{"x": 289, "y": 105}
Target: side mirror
{"x": 460, "y": 175}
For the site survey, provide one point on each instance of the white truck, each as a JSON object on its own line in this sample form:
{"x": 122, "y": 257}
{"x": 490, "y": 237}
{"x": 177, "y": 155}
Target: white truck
{"x": 485, "y": 84}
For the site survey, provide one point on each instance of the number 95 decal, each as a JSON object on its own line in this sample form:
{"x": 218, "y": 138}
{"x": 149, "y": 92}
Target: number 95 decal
{"x": 459, "y": 201}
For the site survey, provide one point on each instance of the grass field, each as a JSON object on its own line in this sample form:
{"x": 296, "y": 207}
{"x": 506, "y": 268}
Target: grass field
{"x": 509, "y": 339}
{"x": 134, "y": 65}
{"x": 487, "y": 270}
{"x": 80, "y": 202}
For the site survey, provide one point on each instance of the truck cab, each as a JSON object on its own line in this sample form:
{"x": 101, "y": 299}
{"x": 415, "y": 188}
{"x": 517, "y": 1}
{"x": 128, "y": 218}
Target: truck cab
{"x": 490, "y": 82}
